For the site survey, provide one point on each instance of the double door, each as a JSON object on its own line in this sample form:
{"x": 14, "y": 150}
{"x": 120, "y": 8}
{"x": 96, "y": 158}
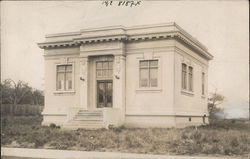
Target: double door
{"x": 104, "y": 93}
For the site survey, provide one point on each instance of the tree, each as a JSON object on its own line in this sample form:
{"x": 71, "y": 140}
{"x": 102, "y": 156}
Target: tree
{"x": 20, "y": 93}
{"x": 16, "y": 91}
{"x": 37, "y": 97}
{"x": 214, "y": 100}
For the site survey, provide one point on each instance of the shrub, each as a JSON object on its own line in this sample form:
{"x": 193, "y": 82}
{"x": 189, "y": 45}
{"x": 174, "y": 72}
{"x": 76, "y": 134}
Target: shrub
{"x": 116, "y": 129}
{"x": 52, "y": 125}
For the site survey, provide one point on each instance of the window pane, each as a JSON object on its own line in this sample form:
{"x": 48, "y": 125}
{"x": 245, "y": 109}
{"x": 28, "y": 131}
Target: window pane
{"x": 183, "y": 81}
{"x": 184, "y": 76}
{"x": 190, "y": 82}
{"x": 190, "y": 71}
{"x": 110, "y": 65}
{"x": 70, "y": 85}
{"x": 144, "y": 75}
{"x": 105, "y": 73}
{"x": 69, "y": 68}
{"x": 60, "y": 79}
{"x": 68, "y": 80}
{"x": 109, "y": 94}
{"x": 105, "y": 65}
{"x": 154, "y": 63}
{"x": 101, "y": 93}
{"x": 153, "y": 77}
{"x": 110, "y": 73}
{"x": 99, "y": 73}
{"x": 99, "y": 65}
{"x": 143, "y": 63}
{"x": 60, "y": 68}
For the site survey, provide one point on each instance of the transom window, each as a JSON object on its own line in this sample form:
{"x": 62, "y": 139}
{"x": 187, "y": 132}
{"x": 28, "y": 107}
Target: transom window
{"x": 149, "y": 73}
{"x": 104, "y": 69}
{"x": 64, "y": 77}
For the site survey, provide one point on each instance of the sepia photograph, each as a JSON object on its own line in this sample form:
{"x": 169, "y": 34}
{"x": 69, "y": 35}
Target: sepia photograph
{"x": 125, "y": 79}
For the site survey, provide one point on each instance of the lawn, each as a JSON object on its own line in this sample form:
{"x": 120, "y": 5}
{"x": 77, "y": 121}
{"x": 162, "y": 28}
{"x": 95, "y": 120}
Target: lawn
{"x": 221, "y": 137}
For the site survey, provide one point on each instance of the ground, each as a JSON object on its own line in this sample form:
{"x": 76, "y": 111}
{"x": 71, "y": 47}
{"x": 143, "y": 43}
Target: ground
{"x": 221, "y": 137}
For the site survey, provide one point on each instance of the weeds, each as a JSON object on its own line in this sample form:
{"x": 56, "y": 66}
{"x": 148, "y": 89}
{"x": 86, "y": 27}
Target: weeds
{"x": 222, "y": 137}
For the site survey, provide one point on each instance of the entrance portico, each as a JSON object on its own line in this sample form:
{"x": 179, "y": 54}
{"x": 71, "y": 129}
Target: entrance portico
{"x": 102, "y": 77}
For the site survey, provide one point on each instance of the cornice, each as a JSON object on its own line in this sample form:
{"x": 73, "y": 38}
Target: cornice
{"x": 172, "y": 31}
{"x": 83, "y": 40}
{"x": 194, "y": 47}
{"x": 57, "y": 44}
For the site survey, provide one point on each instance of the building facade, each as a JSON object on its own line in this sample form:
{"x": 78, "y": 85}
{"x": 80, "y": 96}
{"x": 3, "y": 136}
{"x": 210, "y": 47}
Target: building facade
{"x": 142, "y": 76}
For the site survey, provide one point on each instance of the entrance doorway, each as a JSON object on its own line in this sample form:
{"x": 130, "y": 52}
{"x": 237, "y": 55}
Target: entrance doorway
{"x": 104, "y": 93}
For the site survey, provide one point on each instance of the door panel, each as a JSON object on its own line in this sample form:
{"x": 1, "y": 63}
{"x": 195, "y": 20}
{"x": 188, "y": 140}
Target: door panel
{"x": 104, "y": 94}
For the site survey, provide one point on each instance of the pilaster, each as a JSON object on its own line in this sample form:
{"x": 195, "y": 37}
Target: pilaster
{"x": 119, "y": 84}
{"x": 84, "y": 82}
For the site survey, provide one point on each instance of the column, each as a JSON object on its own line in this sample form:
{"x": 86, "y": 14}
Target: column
{"x": 83, "y": 83}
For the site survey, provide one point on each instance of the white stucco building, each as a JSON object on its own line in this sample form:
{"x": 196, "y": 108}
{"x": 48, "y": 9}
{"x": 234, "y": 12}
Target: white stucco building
{"x": 142, "y": 76}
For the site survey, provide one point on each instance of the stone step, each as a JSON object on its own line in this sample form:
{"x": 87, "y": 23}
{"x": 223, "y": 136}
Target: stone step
{"x": 90, "y": 114}
{"x": 87, "y": 119}
{"x": 90, "y": 111}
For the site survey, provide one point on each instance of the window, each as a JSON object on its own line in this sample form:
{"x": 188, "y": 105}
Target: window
{"x": 148, "y": 73}
{"x": 104, "y": 69}
{"x": 184, "y": 76}
{"x": 203, "y": 83}
{"x": 64, "y": 77}
{"x": 190, "y": 78}
{"x": 187, "y": 77}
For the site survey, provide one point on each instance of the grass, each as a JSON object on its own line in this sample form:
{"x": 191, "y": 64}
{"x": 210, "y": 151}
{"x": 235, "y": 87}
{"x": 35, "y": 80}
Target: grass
{"x": 221, "y": 137}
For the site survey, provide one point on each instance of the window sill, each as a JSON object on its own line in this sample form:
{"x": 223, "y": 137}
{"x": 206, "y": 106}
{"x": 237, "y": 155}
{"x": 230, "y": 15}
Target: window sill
{"x": 186, "y": 92}
{"x": 148, "y": 90}
{"x": 64, "y": 92}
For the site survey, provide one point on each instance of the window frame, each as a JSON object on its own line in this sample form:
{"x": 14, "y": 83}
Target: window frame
{"x": 148, "y": 68}
{"x": 65, "y": 90}
{"x": 102, "y": 69}
{"x": 142, "y": 90}
{"x": 187, "y": 79}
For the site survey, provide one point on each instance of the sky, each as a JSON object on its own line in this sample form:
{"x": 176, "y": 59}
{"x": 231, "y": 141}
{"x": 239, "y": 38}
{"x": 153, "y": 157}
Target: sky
{"x": 222, "y": 26}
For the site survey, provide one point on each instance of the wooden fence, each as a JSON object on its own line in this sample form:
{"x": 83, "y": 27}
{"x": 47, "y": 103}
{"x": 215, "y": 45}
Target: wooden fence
{"x": 19, "y": 110}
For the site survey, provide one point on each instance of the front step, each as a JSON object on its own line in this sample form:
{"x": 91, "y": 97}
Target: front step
{"x": 86, "y": 119}
{"x": 89, "y": 115}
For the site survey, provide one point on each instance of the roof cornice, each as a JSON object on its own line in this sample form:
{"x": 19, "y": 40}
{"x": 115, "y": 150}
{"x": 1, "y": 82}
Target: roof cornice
{"x": 129, "y": 34}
